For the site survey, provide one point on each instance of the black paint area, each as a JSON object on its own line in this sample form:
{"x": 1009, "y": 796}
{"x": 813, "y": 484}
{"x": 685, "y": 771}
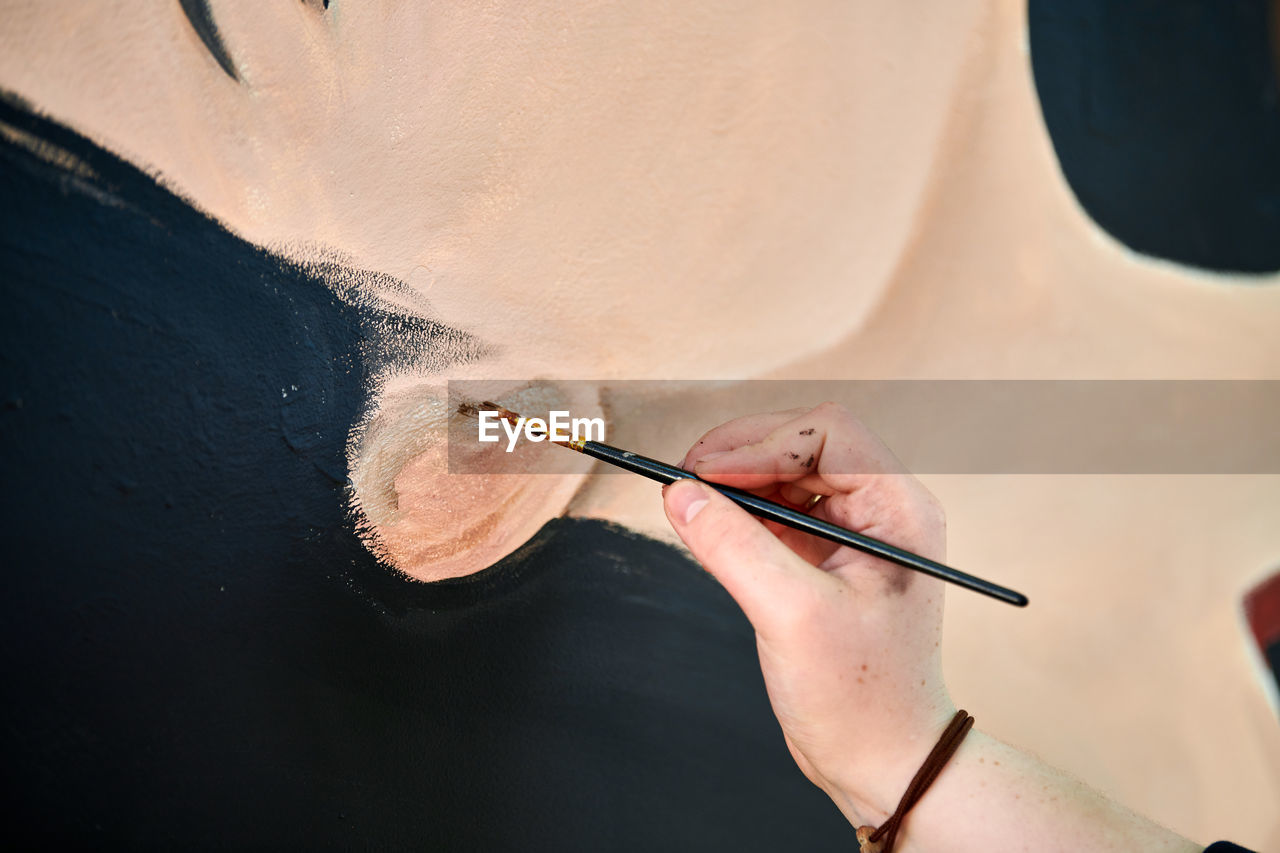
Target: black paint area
{"x": 197, "y": 650}
{"x": 201, "y": 18}
{"x": 1165, "y": 118}
{"x": 1272, "y": 655}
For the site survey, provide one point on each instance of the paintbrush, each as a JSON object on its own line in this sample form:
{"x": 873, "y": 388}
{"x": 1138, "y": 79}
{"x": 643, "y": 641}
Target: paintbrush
{"x": 769, "y": 510}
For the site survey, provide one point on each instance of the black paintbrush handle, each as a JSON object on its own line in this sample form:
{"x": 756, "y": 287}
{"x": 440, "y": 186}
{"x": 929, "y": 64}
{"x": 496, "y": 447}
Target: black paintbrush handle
{"x": 758, "y": 506}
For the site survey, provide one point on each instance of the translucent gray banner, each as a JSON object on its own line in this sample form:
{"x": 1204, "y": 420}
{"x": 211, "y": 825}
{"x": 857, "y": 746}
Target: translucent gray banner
{"x": 933, "y": 426}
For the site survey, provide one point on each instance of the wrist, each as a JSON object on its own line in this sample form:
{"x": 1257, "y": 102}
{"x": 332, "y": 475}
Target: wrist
{"x": 869, "y": 792}
{"x": 991, "y": 796}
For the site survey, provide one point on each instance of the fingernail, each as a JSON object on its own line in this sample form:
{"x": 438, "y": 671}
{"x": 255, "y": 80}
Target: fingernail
{"x": 687, "y": 501}
{"x": 692, "y": 510}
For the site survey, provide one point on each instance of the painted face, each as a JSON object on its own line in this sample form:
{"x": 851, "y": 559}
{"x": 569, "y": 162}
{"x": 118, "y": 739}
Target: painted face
{"x": 638, "y": 190}
{"x": 198, "y": 642}
{"x": 586, "y": 190}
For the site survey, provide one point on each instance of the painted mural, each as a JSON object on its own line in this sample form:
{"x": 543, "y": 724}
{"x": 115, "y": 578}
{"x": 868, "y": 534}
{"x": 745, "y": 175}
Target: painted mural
{"x": 245, "y": 246}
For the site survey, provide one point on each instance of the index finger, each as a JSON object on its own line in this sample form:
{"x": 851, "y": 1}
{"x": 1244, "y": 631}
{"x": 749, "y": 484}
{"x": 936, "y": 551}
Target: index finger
{"x": 738, "y": 432}
{"x": 825, "y": 449}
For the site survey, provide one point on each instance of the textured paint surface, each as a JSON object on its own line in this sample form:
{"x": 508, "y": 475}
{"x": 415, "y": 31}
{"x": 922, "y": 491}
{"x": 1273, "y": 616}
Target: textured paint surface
{"x": 557, "y": 180}
{"x": 802, "y": 190}
{"x": 1165, "y": 117}
{"x": 198, "y": 649}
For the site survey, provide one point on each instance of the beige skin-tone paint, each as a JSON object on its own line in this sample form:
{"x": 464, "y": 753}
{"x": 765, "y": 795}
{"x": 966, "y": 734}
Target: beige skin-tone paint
{"x": 715, "y": 190}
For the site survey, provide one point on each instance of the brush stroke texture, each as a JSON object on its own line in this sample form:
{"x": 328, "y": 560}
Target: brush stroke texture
{"x": 196, "y": 646}
{"x": 1165, "y": 117}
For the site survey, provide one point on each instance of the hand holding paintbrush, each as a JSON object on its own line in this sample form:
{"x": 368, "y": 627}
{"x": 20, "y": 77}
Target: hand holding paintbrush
{"x": 850, "y": 638}
{"x": 849, "y": 643}
{"x": 797, "y": 461}
{"x": 850, "y": 647}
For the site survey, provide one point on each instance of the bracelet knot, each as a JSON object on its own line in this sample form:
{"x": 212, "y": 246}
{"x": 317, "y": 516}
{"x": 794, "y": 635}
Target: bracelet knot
{"x": 873, "y": 840}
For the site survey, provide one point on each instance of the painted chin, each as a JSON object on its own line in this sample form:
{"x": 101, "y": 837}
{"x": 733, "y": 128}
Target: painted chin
{"x": 431, "y": 524}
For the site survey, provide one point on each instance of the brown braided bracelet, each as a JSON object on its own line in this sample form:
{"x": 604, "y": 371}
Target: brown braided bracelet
{"x": 872, "y": 840}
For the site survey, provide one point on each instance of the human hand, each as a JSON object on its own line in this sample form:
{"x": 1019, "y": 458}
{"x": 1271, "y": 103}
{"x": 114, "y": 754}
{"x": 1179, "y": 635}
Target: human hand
{"x": 848, "y": 643}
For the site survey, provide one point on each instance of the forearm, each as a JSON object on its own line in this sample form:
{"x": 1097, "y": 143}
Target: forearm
{"x": 992, "y": 797}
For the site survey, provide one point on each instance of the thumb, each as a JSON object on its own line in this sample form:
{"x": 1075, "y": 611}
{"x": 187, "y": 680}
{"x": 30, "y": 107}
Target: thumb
{"x": 771, "y": 584}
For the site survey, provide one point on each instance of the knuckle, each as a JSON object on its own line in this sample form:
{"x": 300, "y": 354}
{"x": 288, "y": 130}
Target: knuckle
{"x": 924, "y": 516}
{"x": 839, "y": 421}
{"x": 833, "y": 411}
{"x": 927, "y": 505}
{"x": 938, "y": 511}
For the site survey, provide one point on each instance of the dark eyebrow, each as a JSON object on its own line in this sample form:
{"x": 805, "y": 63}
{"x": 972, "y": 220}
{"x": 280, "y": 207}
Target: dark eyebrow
{"x": 201, "y": 18}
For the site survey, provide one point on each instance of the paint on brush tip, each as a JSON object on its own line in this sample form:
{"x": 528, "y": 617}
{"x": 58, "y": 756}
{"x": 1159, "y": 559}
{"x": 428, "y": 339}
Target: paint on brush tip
{"x": 473, "y": 410}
